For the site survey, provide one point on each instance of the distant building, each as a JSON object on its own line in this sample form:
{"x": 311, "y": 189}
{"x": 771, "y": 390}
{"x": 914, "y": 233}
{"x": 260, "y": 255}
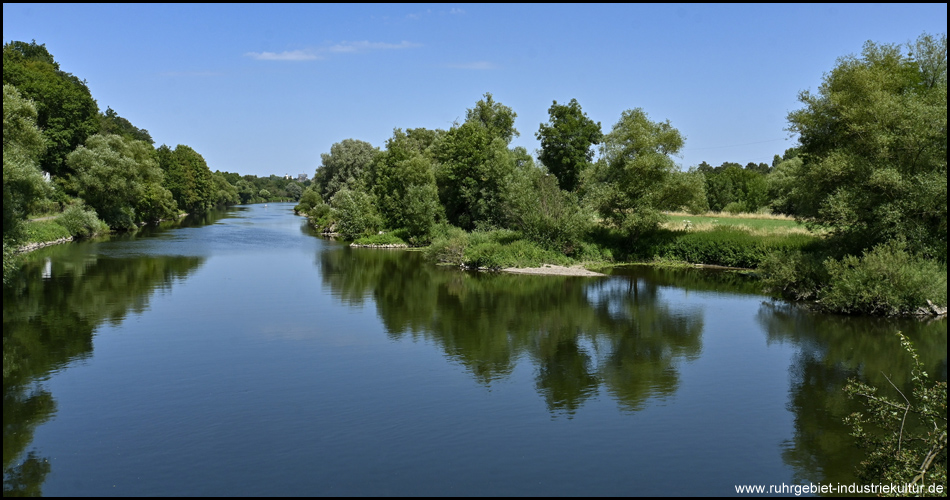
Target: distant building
{"x": 302, "y": 178}
{"x": 287, "y": 176}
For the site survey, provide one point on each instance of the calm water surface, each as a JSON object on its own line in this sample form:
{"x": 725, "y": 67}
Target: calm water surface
{"x": 239, "y": 354}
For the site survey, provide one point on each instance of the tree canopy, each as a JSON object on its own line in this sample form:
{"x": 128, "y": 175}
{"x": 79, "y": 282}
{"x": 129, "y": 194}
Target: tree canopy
{"x": 636, "y": 178}
{"x": 567, "y": 143}
{"x": 873, "y": 142}
{"x": 66, "y": 111}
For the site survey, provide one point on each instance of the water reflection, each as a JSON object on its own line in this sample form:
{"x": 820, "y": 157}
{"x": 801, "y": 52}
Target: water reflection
{"x": 832, "y": 349}
{"x": 49, "y": 316}
{"x": 583, "y": 334}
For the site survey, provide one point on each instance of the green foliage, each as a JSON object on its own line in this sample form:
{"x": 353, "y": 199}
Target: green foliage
{"x": 731, "y": 185}
{"x": 43, "y": 231}
{"x": 887, "y": 280}
{"x": 308, "y": 199}
{"x": 225, "y": 192}
{"x": 81, "y": 222}
{"x": 873, "y": 143}
{"x": 344, "y": 167}
{"x": 121, "y": 180}
{"x": 188, "y": 178}
{"x": 355, "y": 214}
{"x": 66, "y": 112}
{"x": 385, "y": 239}
{"x": 636, "y": 177}
{"x": 23, "y": 146}
{"x": 294, "y": 190}
{"x": 722, "y": 246}
{"x": 403, "y": 182}
{"x": 545, "y": 214}
{"x": 111, "y": 123}
{"x": 566, "y": 143}
{"x": 906, "y": 438}
{"x": 476, "y": 164}
{"x": 494, "y": 249}
{"x": 795, "y": 274}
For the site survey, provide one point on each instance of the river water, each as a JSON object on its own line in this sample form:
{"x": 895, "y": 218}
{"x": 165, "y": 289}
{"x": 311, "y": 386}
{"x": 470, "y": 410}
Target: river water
{"x": 240, "y": 354}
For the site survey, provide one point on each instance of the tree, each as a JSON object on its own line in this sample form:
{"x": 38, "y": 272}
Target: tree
{"x": 476, "y": 164}
{"x": 404, "y": 182}
{"x": 188, "y": 178}
{"x": 66, "y": 112}
{"x": 566, "y": 143}
{"x": 120, "y": 178}
{"x": 23, "y": 146}
{"x": 294, "y": 190}
{"x": 873, "y": 143}
{"x": 111, "y": 123}
{"x": 344, "y": 166}
{"x": 636, "y": 177}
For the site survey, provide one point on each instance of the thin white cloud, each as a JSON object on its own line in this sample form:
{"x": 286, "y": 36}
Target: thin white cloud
{"x": 477, "y": 65}
{"x": 290, "y": 55}
{"x": 339, "y": 48}
{"x": 365, "y": 46}
{"x": 457, "y": 12}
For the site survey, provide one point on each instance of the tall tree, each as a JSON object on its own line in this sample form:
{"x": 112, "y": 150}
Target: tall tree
{"x": 636, "y": 177}
{"x": 476, "y": 164}
{"x": 188, "y": 178}
{"x": 567, "y": 143}
{"x": 344, "y": 166}
{"x": 873, "y": 143}
{"x": 23, "y": 146}
{"x": 66, "y": 112}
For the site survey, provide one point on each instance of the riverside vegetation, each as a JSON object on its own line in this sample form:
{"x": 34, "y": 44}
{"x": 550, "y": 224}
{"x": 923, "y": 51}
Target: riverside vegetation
{"x": 863, "y": 195}
{"x": 102, "y": 172}
{"x": 860, "y": 204}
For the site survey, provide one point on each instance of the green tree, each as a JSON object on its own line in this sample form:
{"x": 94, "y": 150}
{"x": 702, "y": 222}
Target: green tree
{"x": 566, "y": 143}
{"x": 344, "y": 166}
{"x": 120, "y": 178}
{"x": 111, "y": 123}
{"x": 636, "y": 177}
{"x": 225, "y": 192}
{"x": 476, "y": 164}
{"x": 294, "y": 190}
{"x": 355, "y": 213}
{"x": 66, "y": 112}
{"x": 404, "y": 185}
{"x": 23, "y": 146}
{"x": 873, "y": 142}
{"x": 187, "y": 176}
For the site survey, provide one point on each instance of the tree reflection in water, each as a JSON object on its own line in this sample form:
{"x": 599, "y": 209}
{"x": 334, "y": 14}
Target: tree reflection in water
{"x": 48, "y": 322}
{"x": 832, "y": 349}
{"x": 583, "y": 334}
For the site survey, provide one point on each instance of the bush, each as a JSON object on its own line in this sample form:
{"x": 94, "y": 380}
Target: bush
{"x": 355, "y": 214}
{"x": 722, "y": 246}
{"x": 887, "y": 280}
{"x": 795, "y": 275}
{"x": 81, "y": 222}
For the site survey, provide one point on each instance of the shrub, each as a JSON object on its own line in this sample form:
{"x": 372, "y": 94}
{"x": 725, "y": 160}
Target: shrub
{"x": 355, "y": 214}
{"x": 903, "y": 454}
{"x": 887, "y": 280}
{"x": 722, "y": 246}
{"x": 81, "y": 222}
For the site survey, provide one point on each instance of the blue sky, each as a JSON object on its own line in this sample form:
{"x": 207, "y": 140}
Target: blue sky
{"x": 265, "y": 89}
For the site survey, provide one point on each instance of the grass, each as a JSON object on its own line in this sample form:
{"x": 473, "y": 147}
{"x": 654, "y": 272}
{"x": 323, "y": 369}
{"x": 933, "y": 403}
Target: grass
{"x": 44, "y": 230}
{"x": 757, "y": 224}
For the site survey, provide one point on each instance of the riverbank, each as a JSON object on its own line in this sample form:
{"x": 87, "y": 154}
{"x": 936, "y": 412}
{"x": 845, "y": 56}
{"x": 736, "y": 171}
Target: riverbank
{"x": 553, "y": 270}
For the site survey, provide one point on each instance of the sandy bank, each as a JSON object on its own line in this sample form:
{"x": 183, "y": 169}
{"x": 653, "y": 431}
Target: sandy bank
{"x": 552, "y": 270}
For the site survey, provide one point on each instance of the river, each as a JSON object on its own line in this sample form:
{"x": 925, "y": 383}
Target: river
{"x": 239, "y": 354}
